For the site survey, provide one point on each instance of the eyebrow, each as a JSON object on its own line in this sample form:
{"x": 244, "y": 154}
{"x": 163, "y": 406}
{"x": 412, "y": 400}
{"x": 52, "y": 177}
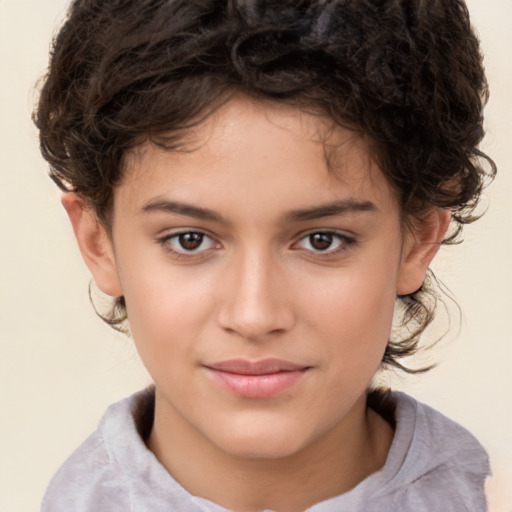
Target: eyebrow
{"x": 341, "y": 207}
{"x": 164, "y": 205}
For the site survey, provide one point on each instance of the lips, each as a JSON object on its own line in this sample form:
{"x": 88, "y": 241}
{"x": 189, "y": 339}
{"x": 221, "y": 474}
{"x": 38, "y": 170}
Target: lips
{"x": 256, "y": 380}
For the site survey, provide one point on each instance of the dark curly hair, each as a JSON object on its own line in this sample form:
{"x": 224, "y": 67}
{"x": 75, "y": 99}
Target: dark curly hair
{"x": 408, "y": 74}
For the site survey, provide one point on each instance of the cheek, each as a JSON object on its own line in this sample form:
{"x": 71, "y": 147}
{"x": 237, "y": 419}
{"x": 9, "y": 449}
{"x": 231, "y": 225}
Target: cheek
{"x": 167, "y": 310}
{"x": 354, "y": 310}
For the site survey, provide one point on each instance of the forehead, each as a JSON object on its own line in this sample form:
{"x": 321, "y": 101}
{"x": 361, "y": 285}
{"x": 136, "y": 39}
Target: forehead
{"x": 267, "y": 153}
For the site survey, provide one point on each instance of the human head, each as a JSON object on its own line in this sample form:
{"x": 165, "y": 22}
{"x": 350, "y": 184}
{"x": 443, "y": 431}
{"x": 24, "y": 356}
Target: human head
{"x": 406, "y": 75}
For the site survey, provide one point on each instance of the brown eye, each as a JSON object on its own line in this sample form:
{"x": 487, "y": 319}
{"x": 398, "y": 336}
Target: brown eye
{"x": 327, "y": 242}
{"x": 321, "y": 241}
{"x": 190, "y": 241}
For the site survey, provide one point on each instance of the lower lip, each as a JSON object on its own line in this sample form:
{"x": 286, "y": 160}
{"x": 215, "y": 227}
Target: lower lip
{"x": 257, "y": 386}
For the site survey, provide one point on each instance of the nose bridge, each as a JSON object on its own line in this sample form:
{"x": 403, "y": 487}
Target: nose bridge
{"x": 256, "y": 298}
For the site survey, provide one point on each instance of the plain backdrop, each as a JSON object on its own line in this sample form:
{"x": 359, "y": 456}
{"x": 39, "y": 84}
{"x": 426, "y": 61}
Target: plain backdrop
{"x": 60, "y": 366}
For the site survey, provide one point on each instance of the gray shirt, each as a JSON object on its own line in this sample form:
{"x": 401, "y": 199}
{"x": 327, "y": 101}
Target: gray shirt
{"x": 433, "y": 465}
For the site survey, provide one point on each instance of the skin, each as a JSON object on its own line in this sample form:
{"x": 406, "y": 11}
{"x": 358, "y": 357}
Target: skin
{"x": 255, "y": 188}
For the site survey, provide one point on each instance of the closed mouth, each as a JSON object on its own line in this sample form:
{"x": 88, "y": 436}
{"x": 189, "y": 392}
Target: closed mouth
{"x": 256, "y": 379}
{"x": 262, "y": 367}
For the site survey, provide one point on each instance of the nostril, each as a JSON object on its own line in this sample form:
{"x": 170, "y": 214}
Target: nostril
{"x": 254, "y": 325}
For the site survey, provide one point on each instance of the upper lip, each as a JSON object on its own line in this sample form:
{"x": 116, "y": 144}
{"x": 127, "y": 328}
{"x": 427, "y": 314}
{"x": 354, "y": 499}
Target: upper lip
{"x": 263, "y": 367}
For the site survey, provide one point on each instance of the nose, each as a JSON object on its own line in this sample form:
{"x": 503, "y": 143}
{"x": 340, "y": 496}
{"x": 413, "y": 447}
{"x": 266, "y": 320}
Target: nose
{"x": 255, "y": 298}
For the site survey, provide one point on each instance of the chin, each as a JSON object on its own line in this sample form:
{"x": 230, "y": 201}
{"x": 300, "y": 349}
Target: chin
{"x": 263, "y": 449}
{"x": 273, "y": 441}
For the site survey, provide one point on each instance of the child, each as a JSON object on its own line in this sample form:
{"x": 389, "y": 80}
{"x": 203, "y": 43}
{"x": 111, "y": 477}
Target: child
{"x": 259, "y": 186}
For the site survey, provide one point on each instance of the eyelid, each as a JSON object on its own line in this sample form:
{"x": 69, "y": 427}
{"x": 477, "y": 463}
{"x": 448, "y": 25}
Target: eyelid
{"x": 346, "y": 240}
{"x": 165, "y": 239}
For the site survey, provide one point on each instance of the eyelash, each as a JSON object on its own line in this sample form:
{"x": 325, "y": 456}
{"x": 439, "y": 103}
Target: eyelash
{"x": 167, "y": 240}
{"x": 344, "y": 243}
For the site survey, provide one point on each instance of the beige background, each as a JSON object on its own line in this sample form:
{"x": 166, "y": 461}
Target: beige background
{"x": 60, "y": 366}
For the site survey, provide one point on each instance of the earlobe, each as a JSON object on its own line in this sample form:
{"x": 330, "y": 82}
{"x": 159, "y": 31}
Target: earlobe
{"x": 94, "y": 243}
{"x": 420, "y": 247}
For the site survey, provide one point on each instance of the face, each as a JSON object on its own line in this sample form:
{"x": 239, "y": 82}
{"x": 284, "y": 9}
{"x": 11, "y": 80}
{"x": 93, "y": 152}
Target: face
{"x": 260, "y": 271}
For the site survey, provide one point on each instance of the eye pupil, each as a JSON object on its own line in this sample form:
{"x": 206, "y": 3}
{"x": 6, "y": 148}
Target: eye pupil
{"x": 320, "y": 241}
{"x": 191, "y": 241}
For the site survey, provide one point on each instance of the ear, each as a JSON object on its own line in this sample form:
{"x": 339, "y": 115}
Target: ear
{"x": 420, "y": 247}
{"x": 94, "y": 242}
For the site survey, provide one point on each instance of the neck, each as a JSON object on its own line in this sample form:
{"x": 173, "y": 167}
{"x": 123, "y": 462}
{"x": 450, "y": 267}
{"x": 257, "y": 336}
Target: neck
{"x": 331, "y": 465}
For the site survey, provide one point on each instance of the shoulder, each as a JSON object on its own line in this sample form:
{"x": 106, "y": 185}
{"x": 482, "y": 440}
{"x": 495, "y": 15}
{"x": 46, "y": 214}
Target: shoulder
{"x": 93, "y": 466}
{"x": 443, "y": 466}
{"x": 114, "y": 471}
